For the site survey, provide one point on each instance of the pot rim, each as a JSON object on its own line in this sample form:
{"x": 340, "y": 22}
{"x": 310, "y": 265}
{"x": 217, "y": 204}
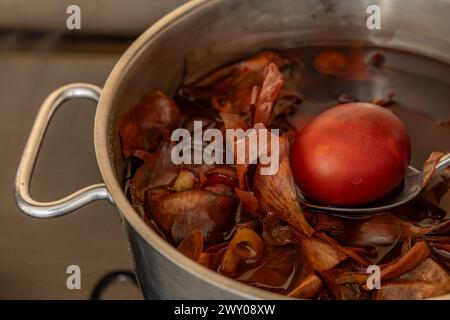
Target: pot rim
{"x": 101, "y": 129}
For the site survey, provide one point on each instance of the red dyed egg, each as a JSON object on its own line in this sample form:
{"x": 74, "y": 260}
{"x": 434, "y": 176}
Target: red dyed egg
{"x": 351, "y": 154}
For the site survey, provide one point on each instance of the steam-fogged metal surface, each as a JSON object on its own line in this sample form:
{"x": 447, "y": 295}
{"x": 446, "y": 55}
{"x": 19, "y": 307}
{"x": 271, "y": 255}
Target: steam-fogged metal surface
{"x": 36, "y": 253}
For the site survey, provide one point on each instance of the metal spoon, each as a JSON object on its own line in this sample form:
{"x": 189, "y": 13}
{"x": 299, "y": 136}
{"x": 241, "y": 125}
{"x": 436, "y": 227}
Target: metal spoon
{"x": 411, "y": 188}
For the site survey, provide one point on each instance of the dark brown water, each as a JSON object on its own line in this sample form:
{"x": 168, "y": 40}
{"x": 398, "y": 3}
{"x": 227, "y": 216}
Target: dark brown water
{"x": 414, "y": 87}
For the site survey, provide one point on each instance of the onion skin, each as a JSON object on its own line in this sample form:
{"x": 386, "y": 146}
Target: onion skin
{"x": 351, "y": 154}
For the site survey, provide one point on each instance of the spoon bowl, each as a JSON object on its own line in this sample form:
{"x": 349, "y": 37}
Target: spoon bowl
{"x": 412, "y": 185}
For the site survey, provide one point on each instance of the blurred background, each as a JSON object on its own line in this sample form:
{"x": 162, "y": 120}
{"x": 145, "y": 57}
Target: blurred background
{"x": 37, "y": 55}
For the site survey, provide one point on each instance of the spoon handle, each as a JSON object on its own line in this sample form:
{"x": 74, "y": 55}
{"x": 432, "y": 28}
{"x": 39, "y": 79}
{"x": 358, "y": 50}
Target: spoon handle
{"x": 443, "y": 163}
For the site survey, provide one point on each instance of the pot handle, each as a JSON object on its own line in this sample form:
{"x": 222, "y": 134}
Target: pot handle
{"x": 75, "y": 200}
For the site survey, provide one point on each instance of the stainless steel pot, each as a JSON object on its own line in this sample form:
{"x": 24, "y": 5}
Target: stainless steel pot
{"x": 190, "y": 41}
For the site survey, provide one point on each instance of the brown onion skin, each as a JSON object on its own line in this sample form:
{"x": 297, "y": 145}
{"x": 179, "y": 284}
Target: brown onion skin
{"x": 351, "y": 154}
